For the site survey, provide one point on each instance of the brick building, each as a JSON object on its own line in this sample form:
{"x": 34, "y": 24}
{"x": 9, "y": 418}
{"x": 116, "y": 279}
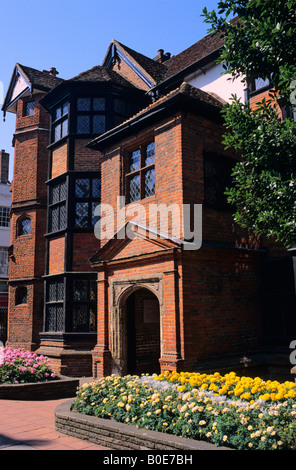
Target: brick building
{"x": 134, "y": 294}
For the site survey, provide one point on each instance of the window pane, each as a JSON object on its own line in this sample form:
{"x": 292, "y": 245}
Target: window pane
{"x": 98, "y": 124}
{"x": 30, "y": 106}
{"x": 21, "y": 296}
{"x": 59, "y": 318}
{"x": 80, "y": 290}
{"x": 50, "y": 324}
{"x": 83, "y": 124}
{"x": 92, "y": 320}
{"x": 65, "y": 109}
{"x": 150, "y": 154}
{"x": 96, "y": 187}
{"x": 150, "y": 182}
{"x": 57, "y": 132}
{"x": 54, "y": 219}
{"x": 95, "y": 218}
{"x": 81, "y": 214}
{"x": 135, "y": 160}
{"x": 4, "y": 216}
{"x": 55, "y": 194}
{"x": 82, "y": 187}
{"x": 4, "y": 265}
{"x": 64, "y": 127}
{"x": 58, "y": 113}
{"x": 134, "y": 192}
{"x": 63, "y": 191}
{"x": 83, "y": 104}
{"x": 99, "y": 104}
{"x": 260, "y": 83}
{"x": 62, "y": 222}
{"x": 80, "y": 320}
{"x": 25, "y": 227}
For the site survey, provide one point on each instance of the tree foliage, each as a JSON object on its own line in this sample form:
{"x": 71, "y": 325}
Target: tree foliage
{"x": 259, "y": 41}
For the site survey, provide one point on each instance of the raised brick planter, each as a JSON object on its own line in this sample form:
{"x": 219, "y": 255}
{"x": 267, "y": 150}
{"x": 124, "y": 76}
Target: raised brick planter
{"x": 64, "y": 387}
{"x": 121, "y": 436}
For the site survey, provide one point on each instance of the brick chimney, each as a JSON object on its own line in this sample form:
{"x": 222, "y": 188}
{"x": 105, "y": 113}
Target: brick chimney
{"x": 52, "y": 71}
{"x": 161, "y": 57}
{"x": 4, "y": 166}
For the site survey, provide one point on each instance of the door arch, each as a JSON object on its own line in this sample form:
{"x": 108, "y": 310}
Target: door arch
{"x": 142, "y": 347}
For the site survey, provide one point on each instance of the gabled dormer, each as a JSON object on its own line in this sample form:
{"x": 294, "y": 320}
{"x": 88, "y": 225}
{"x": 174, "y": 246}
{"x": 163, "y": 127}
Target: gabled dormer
{"x": 27, "y": 82}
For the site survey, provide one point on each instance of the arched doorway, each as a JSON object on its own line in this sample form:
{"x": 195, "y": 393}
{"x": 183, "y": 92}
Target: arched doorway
{"x": 142, "y": 332}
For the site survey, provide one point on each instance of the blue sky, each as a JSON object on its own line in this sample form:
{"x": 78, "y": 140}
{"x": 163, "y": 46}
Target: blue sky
{"x": 73, "y": 35}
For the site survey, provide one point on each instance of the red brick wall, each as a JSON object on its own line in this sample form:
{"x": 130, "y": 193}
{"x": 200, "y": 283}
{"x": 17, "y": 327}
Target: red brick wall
{"x": 59, "y": 161}
{"x": 56, "y": 255}
{"x": 85, "y": 245}
{"x": 85, "y": 159}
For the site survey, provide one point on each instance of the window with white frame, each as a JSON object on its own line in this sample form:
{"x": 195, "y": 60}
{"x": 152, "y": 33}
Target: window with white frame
{"x": 3, "y": 261}
{"x": 4, "y": 216}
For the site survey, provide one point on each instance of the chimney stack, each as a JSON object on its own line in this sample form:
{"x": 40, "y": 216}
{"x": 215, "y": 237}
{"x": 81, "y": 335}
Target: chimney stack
{"x": 4, "y": 166}
{"x": 161, "y": 57}
{"x": 53, "y": 71}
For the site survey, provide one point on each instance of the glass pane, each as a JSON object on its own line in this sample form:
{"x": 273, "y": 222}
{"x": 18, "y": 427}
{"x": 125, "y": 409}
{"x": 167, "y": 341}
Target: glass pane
{"x": 260, "y": 83}
{"x": 54, "y": 219}
{"x": 60, "y": 290}
{"x": 82, "y": 187}
{"x": 59, "y": 318}
{"x": 134, "y": 193}
{"x": 150, "y": 154}
{"x": 98, "y": 124}
{"x": 57, "y": 132}
{"x": 80, "y": 290}
{"x": 96, "y": 187}
{"x": 58, "y": 113}
{"x": 95, "y": 218}
{"x": 65, "y": 109}
{"x": 150, "y": 182}
{"x": 83, "y": 124}
{"x": 92, "y": 320}
{"x": 25, "y": 227}
{"x": 62, "y": 223}
{"x": 50, "y": 319}
{"x": 51, "y": 292}
{"x": 93, "y": 290}
{"x": 30, "y": 106}
{"x": 135, "y": 160}
{"x": 80, "y": 322}
{"x": 55, "y": 194}
{"x": 64, "y": 127}
{"x": 81, "y": 216}
{"x": 63, "y": 191}
{"x": 83, "y": 104}
{"x": 99, "y": 104}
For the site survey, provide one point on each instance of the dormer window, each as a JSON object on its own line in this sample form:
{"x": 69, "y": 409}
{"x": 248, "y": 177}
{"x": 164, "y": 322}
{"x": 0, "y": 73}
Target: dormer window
{"x": 60, "y": 121}
{"x": 91, "y": 115}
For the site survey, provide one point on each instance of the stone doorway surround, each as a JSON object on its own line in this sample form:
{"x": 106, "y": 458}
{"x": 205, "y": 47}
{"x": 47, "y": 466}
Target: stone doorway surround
{"x": 120, "y": 291}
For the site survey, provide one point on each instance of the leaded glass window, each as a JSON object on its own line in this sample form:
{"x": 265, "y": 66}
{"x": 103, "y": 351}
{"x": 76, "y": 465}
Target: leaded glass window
{"x": 57, "y": 206}
{"x": 141, "y": 173}
{"x": 84, "y": 305}
{"x": 217, "y": 177}
{"x": 90, "y": 115}
{"x": 60, "y": 121}
{"x": 24, "y": 226}
{"x": 29, "y": 108}
{"x": 54, "y": 319}
{"x": 4, "y": 216}
{"x": 87, "y": 197}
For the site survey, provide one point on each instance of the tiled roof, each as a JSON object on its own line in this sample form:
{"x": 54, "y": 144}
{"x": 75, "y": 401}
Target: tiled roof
{"x": 101, "y": 74}
{"x": 194, "y": 53}
{"x": 155, "y": 69}
{"x": 187, "y": 90}
{"x": 42, "y": 80}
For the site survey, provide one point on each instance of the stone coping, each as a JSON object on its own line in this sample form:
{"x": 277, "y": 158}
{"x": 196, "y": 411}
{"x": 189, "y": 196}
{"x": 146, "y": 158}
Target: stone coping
{"x": 120, "y": 436}
{"x": 63, "y": 387}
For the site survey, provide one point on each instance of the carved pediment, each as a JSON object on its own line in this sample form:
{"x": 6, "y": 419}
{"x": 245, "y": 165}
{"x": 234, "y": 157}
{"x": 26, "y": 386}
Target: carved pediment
{"x": 133, "y": 240}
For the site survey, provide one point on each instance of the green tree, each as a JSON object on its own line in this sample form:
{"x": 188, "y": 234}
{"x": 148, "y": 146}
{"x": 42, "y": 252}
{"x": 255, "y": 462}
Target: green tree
{"x": 259, "y": 42}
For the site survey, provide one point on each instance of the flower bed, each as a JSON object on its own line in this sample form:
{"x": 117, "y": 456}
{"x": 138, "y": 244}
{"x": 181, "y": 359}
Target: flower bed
{"x": 25, "y": 375}
{"x": 18, "y": 366}
{"x": 238, "y": 412}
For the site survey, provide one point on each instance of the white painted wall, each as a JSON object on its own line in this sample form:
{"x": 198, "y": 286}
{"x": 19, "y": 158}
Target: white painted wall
{"x": 210, "y": 79}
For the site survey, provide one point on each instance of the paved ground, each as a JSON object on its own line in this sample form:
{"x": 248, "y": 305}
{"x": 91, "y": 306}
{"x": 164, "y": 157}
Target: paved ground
{"x": 29, "y": 425}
